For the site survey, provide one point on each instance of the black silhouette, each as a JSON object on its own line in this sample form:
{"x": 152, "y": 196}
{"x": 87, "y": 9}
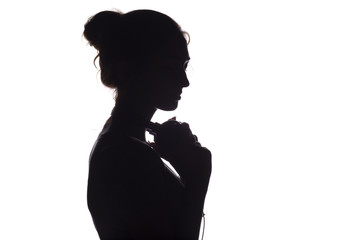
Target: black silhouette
{"x": 132, "y": 194}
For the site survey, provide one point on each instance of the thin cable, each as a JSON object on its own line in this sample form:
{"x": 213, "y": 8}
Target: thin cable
{"x": 203, "y": 231}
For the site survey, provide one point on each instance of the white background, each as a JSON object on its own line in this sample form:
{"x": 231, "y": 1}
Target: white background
{"x": 274, "y": 94}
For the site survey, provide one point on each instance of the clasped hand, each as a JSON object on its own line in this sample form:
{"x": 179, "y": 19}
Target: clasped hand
{"x": 175, "y": 143}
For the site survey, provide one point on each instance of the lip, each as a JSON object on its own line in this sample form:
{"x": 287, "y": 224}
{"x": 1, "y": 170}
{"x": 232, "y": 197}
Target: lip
{"x": 179, "y": 96}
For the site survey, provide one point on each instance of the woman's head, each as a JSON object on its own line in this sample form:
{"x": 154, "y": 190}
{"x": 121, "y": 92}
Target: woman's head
{"x": 140, "y": 52}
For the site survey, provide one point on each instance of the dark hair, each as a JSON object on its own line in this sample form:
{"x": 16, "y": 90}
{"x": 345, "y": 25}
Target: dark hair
{"x": 130, "y": 37}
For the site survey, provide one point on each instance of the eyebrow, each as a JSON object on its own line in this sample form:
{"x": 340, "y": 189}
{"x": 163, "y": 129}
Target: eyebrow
{"x": 179, "y": 57}
{"x": 172, "y": 58}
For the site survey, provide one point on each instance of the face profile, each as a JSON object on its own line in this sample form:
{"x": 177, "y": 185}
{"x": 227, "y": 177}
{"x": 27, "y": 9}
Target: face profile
{"x": 131, "y": 193}
{"x": 167, "y": 78}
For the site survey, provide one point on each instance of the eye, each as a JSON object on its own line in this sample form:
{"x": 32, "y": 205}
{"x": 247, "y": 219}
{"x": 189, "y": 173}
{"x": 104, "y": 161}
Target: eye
{"x": 186, "y": 65}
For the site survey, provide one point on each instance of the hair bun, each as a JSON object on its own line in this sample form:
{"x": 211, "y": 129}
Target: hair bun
{"x": 98, "y": 28}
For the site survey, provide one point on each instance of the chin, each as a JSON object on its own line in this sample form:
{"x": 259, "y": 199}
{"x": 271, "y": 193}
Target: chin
{"x": 168, "y": 106}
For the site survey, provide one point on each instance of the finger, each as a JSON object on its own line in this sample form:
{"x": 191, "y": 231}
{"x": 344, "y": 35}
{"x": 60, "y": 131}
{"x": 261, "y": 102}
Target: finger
{"x": 152, "y": 144}
{"x": 188, "y": 131}
{"x": 185, "y": 124}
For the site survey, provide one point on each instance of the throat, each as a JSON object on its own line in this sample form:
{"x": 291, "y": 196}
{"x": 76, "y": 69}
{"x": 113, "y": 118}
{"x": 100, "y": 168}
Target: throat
{"x": 128, "y": 122}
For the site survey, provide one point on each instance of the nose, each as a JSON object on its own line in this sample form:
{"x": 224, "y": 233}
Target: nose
{"x": 185, "y": 81}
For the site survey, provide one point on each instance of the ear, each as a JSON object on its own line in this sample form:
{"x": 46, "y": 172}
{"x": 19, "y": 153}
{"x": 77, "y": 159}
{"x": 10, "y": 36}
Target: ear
{"x": 129, "y": 77}
{"x": 123, "y": 73}
{"x": 121, "y": 68}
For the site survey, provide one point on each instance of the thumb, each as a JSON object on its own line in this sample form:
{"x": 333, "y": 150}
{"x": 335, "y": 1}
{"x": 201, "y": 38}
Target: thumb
{"x": 153, "y": 145}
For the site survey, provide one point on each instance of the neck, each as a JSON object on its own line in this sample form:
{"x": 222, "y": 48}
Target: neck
{"x": 131, "y": 118}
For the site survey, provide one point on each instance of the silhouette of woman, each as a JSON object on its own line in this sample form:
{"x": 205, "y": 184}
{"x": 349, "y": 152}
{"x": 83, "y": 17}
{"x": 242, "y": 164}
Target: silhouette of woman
{"x": 131, "y": 193}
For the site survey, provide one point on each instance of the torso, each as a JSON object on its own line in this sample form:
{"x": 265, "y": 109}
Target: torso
{"x": 121, "y": 185}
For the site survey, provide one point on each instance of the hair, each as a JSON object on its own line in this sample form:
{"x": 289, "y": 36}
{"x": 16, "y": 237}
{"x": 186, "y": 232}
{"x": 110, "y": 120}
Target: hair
{"x": 132, "y": 38}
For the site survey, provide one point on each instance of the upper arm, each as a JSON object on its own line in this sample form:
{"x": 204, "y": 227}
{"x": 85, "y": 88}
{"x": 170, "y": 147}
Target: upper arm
{"x": 127, "y": 187}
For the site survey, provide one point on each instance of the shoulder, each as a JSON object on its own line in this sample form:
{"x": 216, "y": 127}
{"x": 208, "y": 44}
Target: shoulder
{"x": 115, "y": 147}
{"x": 119, "y": 155}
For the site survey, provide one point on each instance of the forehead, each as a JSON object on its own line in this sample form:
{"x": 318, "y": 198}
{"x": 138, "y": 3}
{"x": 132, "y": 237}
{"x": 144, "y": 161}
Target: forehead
{"x": 170, "y": 61}
{"x": 174, "y": 50}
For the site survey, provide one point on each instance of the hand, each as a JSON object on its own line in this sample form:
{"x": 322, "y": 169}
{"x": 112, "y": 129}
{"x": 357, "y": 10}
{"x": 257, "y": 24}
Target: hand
{"x": 175, "y": 142}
